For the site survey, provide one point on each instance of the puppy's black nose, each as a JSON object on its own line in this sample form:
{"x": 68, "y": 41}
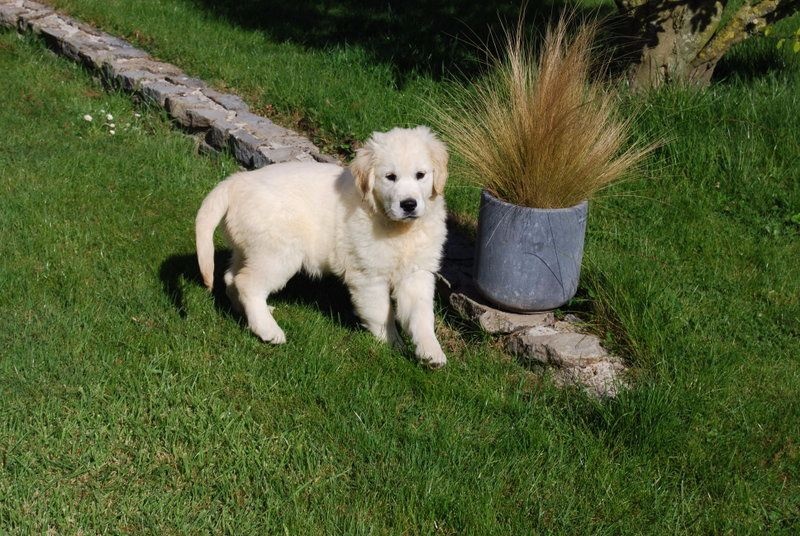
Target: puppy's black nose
{"x": 408, "y": 205}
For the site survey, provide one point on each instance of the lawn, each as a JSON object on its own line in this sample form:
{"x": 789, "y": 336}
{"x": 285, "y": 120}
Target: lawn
{"x": 132, "y": 401}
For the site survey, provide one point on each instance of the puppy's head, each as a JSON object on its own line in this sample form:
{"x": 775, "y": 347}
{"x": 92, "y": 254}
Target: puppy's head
{"x": 401, "y": 171}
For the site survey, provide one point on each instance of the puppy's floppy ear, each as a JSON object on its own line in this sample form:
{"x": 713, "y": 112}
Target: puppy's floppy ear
{"x": 439, "y": 157}
{"x": 362, "y": 169}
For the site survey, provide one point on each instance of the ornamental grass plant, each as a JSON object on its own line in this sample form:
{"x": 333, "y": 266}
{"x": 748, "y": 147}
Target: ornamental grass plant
{"x": 538, "y": 130}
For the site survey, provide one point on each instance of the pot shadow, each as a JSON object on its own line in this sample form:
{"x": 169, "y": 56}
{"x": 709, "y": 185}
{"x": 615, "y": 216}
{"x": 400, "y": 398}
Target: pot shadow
{"x": 456, "y": 269}
{"x": 327, "y": 294}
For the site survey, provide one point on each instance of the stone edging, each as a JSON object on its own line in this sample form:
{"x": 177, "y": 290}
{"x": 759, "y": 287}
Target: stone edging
{"x": 224, "y": 121}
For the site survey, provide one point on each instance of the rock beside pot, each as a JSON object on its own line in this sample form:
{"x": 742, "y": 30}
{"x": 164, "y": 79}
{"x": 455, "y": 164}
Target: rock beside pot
{"x": 528, "y": 259}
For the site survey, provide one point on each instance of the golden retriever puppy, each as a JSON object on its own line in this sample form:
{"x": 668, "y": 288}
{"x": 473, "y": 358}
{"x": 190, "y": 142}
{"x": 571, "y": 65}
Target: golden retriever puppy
{"x": 379, "y": 225}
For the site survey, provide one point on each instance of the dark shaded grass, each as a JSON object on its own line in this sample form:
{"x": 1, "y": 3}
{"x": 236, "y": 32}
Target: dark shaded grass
{"x": 414, "y": 38}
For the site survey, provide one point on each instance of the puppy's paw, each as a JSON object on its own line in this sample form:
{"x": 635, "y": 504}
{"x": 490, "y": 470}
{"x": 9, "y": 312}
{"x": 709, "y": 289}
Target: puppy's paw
{"x": 432, "y": 358}
{"x": 278, "y": 337}
{"x": 274, "y": 335}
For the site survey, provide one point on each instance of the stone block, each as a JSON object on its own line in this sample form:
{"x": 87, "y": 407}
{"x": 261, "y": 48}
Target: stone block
{"x": 204, "y": 116}
{"x": 113, "y": 41}
{"x": 26, "y": 13}
{"x": 269, "y": 133}
{"x": 121, "y": 49}
{"x": 73, "y": 45}
{"x": 226, "y": 100}
{"x": 159, "y": 91}
{"x": 94, "y": 55}
{"x": 557, "y": 349}
{"x": 274, "y": 155}
{"x": 187, "y": 81}
{"x": 53, "y": 29}
{"x": 496, "y": 321}
{"x": 34, "y": 21}
{"x": 10, "y": 14}
{"x": 180, "y": 108}
{"x": 219, "y": 133}
{"x": 260, "y": 127}
{"x": 244, "y": 147}
{"x": 128, "y": 53}
{"x": 132, "y": 80}
{"x": 247, "y": 117}
{"x": 143, "y": 64}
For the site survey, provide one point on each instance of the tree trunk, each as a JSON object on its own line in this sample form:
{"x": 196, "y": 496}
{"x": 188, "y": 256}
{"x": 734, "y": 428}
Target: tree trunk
{"x": 682, "y": 40}
{"x": 668, "y": 36}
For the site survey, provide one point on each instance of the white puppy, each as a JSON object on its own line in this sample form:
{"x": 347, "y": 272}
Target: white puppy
{"x": 380, "y": 225}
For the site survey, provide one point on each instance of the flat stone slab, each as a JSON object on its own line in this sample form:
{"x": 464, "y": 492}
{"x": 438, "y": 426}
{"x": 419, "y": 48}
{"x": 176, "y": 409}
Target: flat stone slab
{"x": 222, "y": 120}
{"x": 494, "y": 321}
{"x": 556, "y": 348}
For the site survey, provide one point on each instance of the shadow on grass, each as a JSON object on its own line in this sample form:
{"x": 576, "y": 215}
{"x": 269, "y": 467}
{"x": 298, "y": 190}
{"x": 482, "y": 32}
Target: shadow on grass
{"x": 747, "y": 64}
{"x": 327, "y": 294}
{"x": 417, "y": 36}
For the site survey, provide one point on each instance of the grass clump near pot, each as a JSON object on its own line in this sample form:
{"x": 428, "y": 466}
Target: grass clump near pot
{"x": 538, "y": 131}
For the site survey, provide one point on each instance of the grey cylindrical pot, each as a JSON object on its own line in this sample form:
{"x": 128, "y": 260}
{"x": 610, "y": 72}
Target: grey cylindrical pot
{"x": 528, "y": 259}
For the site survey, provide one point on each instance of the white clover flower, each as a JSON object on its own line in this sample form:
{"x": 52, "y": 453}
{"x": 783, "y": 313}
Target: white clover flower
{"x": 109, "y": 117}
{"x": 112, "y": 132}
{"x": 87, "y": 117}
{"x": 111, "y": 125}
{"x": 137, "y": 114}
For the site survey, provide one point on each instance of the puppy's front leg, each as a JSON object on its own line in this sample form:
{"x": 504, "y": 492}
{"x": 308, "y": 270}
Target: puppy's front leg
{"x": 373, "y": 304}
{"x": 414, "y": 297}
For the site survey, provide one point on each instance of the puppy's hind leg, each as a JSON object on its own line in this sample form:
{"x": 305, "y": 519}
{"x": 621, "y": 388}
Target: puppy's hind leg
{"x": 230, "y": 287}
{"x": 257, "y": 279}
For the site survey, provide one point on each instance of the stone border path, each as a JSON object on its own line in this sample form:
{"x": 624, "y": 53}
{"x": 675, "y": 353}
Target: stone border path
{"x": 224, "y": 121}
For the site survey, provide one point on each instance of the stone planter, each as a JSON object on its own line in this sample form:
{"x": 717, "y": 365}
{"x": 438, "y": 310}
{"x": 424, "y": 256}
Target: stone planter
{"x": 528, "y": 259}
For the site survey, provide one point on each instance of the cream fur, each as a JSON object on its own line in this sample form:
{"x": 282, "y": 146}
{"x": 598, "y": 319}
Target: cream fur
{"x": 321, "y": 218}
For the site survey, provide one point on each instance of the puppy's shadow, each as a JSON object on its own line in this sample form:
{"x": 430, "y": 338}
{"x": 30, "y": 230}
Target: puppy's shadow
{"x": 327, "y": 294}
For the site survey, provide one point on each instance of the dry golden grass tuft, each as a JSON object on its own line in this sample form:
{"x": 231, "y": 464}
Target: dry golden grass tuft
{"x": 538, "y": 131}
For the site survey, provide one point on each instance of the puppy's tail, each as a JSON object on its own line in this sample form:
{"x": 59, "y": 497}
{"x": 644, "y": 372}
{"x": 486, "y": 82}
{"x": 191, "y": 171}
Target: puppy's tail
{"x": 211, "y": 212}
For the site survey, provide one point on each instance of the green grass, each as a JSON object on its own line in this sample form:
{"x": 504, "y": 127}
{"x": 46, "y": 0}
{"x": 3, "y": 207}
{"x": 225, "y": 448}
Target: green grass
{"x": 129, "y": 401}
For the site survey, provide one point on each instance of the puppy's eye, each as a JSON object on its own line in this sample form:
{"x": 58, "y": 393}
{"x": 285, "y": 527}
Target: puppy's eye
{"x": 391, "y": 176}
{"x": 420, "y": 175}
